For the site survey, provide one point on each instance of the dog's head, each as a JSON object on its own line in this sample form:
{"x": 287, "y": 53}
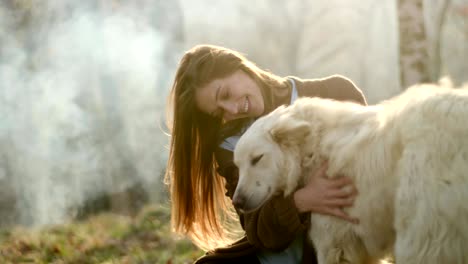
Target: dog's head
{"x": 268, "y": 156}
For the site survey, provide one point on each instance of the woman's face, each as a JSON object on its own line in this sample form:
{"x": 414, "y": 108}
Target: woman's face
{"x": 233, "y": 97}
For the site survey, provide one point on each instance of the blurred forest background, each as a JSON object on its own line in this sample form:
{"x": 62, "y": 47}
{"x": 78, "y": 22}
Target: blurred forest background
{"x": 83, "y": 86}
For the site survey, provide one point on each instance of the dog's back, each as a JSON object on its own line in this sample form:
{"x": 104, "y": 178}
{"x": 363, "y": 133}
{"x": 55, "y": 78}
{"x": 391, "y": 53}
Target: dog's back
{"x": 431, "y": 209}
{"x": 416, "y": 169}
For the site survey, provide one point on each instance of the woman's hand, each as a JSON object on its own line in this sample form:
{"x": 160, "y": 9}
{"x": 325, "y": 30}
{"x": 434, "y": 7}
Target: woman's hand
{"x": 325, "y": 195}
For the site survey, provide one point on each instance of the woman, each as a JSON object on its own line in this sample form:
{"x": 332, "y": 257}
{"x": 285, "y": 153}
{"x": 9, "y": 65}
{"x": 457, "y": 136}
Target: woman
{"x": 216, "y": 94}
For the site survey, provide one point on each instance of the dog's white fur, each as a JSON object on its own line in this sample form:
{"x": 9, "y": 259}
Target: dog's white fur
{"x": 408, "y": 157}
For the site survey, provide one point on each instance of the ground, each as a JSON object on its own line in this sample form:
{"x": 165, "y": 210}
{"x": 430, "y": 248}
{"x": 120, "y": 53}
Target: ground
{"x": 104, "y": 238}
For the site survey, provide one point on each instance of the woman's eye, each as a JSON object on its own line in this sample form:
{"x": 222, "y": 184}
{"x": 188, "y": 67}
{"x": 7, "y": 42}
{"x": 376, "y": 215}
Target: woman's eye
{"x": 256, "y": 159}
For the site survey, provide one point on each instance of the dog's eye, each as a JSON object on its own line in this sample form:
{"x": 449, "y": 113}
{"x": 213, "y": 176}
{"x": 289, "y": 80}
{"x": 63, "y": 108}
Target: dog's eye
{"x": 256, "y": 159}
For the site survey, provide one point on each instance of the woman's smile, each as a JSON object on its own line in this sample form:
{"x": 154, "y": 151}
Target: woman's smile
{"x": 246, "y": 105}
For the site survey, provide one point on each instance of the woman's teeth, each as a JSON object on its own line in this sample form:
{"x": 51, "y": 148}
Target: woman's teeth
{"x": 246, "y": 105}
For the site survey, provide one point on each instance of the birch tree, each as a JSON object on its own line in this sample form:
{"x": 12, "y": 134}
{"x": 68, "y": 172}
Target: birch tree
{"x": 413, "y": 44}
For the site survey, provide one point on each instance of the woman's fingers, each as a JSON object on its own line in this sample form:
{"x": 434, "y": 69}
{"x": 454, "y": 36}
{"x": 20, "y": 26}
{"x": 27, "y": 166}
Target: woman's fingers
{"x": 338, "y": 212}
{"x": 344, "y": 192}
{"x": 339, "y": 182}
{"x": 336, "y": 192}
{"x": 341, "y": 202}
{"x": 347, "y": 191}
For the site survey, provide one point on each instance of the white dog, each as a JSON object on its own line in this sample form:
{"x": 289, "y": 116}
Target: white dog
{"x": 408, "y": 157}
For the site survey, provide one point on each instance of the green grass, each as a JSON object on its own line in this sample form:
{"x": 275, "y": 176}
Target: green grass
{"x": 104, "y": 238}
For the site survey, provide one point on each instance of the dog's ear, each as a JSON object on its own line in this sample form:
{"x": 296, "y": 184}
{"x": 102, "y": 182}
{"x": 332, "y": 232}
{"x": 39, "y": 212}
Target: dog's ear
{"x": 288, "y": 130}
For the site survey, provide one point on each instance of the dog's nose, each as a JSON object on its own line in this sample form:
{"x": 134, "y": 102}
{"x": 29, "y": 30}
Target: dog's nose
{"x": 239, "y": 201}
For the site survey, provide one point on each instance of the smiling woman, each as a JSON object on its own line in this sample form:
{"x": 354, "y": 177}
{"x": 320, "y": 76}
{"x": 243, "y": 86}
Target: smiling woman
{"x": 233, "y": 97}
{"x": 216, "y": 94}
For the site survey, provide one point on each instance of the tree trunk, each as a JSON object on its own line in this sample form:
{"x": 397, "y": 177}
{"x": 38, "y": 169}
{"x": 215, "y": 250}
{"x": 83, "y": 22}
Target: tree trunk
{"x": 414, "y": 59}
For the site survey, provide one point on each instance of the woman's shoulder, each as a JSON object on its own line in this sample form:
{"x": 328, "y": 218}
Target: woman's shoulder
{"x": 336, "y": 87}
{"x": 328, "y": 81}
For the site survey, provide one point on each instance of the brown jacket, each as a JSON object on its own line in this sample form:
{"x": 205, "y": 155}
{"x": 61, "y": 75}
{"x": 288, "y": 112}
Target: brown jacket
{"x": 277, "y": 223}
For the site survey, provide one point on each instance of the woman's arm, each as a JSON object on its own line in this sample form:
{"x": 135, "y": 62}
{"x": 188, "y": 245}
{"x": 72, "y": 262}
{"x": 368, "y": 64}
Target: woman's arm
{"x": 322, "y": 194}
{"x": 335, "y": 87}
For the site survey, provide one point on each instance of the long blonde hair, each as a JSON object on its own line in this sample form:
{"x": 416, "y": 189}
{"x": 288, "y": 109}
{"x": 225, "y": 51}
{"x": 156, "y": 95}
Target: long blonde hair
{"x": 200, "y": 208}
